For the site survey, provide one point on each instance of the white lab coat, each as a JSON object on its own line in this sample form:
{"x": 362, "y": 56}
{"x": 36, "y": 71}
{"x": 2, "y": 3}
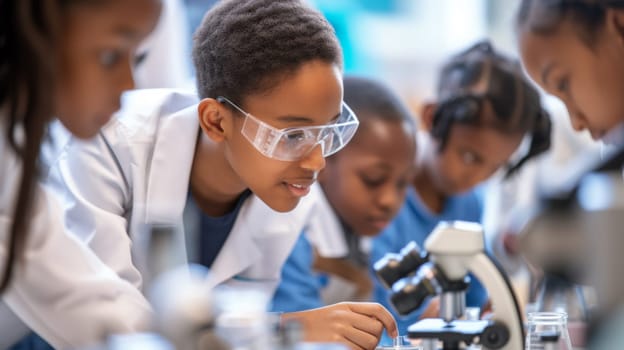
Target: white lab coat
{"x": 326, "y": 233}
{"x": 324, "y": 230}
{"x": 137, "y": 171}
{"x": 60, "y": 290}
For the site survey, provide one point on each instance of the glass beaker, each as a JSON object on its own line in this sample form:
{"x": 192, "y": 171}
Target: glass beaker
{"x": 558, "y": 294}
{"x": 548, "y": 331}
{"x": 399, "y": 343}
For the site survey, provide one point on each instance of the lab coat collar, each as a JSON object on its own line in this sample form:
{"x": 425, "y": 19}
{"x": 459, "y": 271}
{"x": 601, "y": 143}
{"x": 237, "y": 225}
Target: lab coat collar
{"x": 258, "y": 232}
{"x": 325, "y": 231}
{"x": 167, "y": 185}
{"x": 241, "y": 242}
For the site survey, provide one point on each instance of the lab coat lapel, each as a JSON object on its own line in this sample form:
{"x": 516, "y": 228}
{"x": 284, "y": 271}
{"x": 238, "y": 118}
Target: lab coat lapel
{"x": 259, "y": 243}
{"x": 240, "y": 250}
{"x": 170, "y": 167}
{"x": 324, "y": 229}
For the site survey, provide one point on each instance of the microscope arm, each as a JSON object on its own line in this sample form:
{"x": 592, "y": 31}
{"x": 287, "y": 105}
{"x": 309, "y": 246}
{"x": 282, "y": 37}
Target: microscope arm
{"x": 455, "y": 249}
{"x": 504, "y": 303}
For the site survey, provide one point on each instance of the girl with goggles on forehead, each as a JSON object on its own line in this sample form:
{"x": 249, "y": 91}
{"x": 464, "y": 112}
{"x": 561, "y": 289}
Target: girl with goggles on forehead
{"x": 234, "y": 167}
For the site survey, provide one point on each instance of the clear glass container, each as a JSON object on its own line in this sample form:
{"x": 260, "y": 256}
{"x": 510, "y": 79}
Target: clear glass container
{"x": 399, "y": 343}
{"x": 547, "y": 331}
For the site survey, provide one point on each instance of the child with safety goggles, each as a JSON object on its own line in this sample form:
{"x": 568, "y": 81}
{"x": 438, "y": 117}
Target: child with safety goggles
{"x": 361, "y": 189}
{"x": 485, "y": 107}
{"x": 232, "y": 167}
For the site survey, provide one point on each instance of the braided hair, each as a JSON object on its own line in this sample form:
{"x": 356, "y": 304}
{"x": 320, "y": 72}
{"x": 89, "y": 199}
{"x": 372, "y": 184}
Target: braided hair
{"x": 480, "y": 75}
{"x": 544, "y": 16}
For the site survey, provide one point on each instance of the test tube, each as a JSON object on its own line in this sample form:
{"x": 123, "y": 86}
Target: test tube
{"x": 396, "y": 342}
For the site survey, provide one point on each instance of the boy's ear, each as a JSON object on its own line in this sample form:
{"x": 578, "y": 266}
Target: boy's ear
{"x": 211, "y": 118}
{"x": 427, "y": 115}
{"x": 615, "y": 20}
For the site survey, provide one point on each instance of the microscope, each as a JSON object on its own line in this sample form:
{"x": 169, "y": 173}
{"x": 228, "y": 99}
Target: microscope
{"x": 452, "y": 250}
{"x": 576, "y": 234}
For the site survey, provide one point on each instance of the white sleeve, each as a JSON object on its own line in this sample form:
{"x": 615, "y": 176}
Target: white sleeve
{"x": 323, "y": 228}
{"x": 96, "y": 200}
{"x": 59, "y": 287}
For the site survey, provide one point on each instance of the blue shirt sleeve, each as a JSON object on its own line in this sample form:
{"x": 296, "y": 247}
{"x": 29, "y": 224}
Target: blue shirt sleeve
{"x": 300, "y": 285}
{"x": 392, "y": 240}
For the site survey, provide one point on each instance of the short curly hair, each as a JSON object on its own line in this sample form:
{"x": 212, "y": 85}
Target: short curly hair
{"x": 370, "y": 98}
{"x": 247, "y": 46}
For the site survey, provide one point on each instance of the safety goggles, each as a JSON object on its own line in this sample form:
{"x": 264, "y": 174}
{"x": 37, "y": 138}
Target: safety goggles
{"x": 294, "y": 143}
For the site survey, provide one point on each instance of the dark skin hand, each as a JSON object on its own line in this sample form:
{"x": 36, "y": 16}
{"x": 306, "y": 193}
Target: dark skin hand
{"x": 348, "y": 271}
{"x": 356, "y": 325}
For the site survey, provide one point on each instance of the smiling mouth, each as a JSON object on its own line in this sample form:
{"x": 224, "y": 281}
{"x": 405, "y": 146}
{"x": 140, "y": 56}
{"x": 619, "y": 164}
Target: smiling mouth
{"x": 299, "y": 189}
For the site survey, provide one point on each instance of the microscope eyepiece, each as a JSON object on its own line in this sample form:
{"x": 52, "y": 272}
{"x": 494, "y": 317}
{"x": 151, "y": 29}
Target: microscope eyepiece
{"x": 408, "y": 294}
{"x": 392, "y": 267}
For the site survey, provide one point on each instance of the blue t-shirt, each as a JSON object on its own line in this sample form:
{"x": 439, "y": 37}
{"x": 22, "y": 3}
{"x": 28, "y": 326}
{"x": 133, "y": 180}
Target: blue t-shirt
{"x": 300, "y": 285}
{"x": 414, "y": 223}
{"x": 214, "y": 231}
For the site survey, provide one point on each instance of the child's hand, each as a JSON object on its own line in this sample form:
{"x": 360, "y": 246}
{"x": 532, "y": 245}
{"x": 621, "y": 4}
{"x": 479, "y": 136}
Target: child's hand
{"x": 357, "y": 325}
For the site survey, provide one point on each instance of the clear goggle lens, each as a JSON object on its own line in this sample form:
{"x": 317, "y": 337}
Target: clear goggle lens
{"x": 294, "y": 143}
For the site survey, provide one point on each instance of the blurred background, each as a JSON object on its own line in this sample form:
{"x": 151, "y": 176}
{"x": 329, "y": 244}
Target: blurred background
{"x": 400, "y": 42}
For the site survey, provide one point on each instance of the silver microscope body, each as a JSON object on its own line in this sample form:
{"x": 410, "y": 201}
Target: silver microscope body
{"x": 452, "y": 251}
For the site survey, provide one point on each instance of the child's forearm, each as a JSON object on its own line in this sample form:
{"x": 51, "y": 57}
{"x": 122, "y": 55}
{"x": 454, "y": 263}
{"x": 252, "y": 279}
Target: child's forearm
{"x": 337, "y": 266}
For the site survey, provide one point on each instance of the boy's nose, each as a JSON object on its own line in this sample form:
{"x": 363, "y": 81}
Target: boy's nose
{"x": 577, "y": 119}
{"x": 390, "y": 198}
{"x": 314, "y": 160}
{"x": 126, "y": 77}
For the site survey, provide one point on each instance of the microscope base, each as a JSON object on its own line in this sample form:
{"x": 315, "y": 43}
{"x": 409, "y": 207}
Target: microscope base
{"x": 457, "y": 333}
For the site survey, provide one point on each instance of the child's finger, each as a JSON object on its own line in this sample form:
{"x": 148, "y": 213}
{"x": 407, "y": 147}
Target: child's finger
{"x": 365, "y": 323}
{"x": 379, "y": 312}
{"x": 359, "y": 339}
